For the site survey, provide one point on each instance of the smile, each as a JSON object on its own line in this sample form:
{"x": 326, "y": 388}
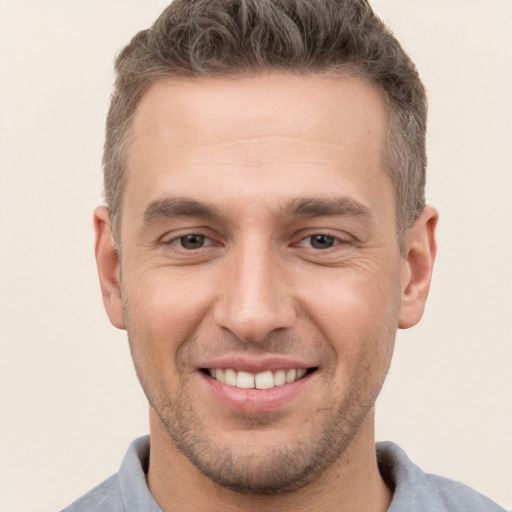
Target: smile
{"x": 263, "y": 380}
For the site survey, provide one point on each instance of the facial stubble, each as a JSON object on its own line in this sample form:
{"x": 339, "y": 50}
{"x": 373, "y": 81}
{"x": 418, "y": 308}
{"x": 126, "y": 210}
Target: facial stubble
{"x": 269, "y": 469}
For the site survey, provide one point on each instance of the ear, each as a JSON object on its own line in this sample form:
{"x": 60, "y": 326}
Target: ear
{"x": 420, "y": 253}
{"x": 107, "y": 261}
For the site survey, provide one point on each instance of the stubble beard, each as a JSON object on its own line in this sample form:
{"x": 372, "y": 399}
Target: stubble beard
{"x": 265, "y": 470}
{"x": 270, "y": 469}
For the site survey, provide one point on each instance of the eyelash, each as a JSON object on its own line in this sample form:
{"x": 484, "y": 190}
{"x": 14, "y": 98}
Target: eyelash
{"x": 179, "y": 241}
{"x": 334, "y": 240}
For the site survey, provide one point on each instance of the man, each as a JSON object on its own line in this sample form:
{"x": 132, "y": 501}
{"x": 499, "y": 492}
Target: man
{"x": 265, "y": 235}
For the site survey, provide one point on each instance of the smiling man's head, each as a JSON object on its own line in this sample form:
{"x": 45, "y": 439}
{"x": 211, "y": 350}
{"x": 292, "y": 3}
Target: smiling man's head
{"x": 267, "y": 161}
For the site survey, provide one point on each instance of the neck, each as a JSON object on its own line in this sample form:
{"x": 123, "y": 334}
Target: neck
{"x": 353, "y": 483}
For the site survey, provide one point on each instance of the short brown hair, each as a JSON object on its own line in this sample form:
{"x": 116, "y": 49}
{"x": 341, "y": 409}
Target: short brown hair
{"x": 205, "y": 38}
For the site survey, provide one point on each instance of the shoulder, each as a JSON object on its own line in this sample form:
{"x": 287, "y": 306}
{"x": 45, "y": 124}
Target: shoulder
{"x": 454, "y": 494}
{"x": 422, "y": 492}
{"x": 104, "y": 497}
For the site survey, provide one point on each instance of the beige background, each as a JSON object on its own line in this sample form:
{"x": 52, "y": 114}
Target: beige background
{"x": 69, "y": 399}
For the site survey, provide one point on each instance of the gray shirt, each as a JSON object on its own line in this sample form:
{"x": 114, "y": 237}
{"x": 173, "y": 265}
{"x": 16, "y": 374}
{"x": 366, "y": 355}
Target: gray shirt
{"x": 414, "y": 490}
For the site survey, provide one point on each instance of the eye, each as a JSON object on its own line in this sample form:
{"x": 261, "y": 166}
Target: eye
{"x": 322, "y": 241}
{"x": 319, "y": 241}
{"x": 324, "y": 247}
{"x": 193, "y": 241}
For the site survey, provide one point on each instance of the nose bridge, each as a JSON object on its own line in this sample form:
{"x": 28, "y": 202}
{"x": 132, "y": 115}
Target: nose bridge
{"x": 254, "y": 299}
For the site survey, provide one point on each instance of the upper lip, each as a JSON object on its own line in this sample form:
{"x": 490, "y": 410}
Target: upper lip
{"x": 255, "y": 365}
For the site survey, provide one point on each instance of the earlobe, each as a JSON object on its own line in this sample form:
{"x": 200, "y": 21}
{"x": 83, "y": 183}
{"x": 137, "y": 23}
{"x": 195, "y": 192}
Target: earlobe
{"x": 107, "y": 261}
{"x": 420, "y": 253}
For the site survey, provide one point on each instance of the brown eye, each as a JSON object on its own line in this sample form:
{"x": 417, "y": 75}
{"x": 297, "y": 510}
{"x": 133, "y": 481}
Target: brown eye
{"x": 322, "y": 241}
{"x": 192, "y": 241}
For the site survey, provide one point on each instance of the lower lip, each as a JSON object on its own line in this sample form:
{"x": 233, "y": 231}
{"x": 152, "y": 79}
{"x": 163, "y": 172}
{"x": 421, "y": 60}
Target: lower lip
{"x": 256, "y": 400}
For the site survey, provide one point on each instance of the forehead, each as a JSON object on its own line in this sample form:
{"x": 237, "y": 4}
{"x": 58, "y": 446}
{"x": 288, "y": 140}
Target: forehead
{"x": 213, "y": 109}
{"x": 266, "y": 136}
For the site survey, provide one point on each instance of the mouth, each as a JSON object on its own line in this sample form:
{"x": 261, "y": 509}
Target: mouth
{"x": 263, "y": 380}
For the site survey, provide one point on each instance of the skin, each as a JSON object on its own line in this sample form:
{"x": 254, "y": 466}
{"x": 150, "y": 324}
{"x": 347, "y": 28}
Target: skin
{"x": 260, "y": 166}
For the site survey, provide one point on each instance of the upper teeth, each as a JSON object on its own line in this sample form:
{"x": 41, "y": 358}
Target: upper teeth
{"x": 264, "y": 380}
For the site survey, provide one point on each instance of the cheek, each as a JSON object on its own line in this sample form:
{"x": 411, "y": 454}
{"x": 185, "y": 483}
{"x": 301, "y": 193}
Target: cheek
{"x": 164, "y": 309}
{"x": 364, "y": 295}
{"x": 356, "y": 311}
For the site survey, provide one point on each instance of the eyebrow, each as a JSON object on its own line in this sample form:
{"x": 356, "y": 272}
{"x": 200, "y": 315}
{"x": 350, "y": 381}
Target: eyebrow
{"x": 307, "y": 207}
{"x": 317, "y": 207}
{"x": 178, "y": 207}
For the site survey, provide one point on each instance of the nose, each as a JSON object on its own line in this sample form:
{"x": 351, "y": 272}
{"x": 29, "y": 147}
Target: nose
{"x": 254, "y": 300}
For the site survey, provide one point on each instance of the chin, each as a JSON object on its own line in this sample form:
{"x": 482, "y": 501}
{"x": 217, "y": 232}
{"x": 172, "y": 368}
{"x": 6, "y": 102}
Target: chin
{"x": 259, "y": 462}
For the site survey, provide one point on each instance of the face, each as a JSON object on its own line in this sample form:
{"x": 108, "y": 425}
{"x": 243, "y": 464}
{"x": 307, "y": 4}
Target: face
{"x": 261, "y": 278}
